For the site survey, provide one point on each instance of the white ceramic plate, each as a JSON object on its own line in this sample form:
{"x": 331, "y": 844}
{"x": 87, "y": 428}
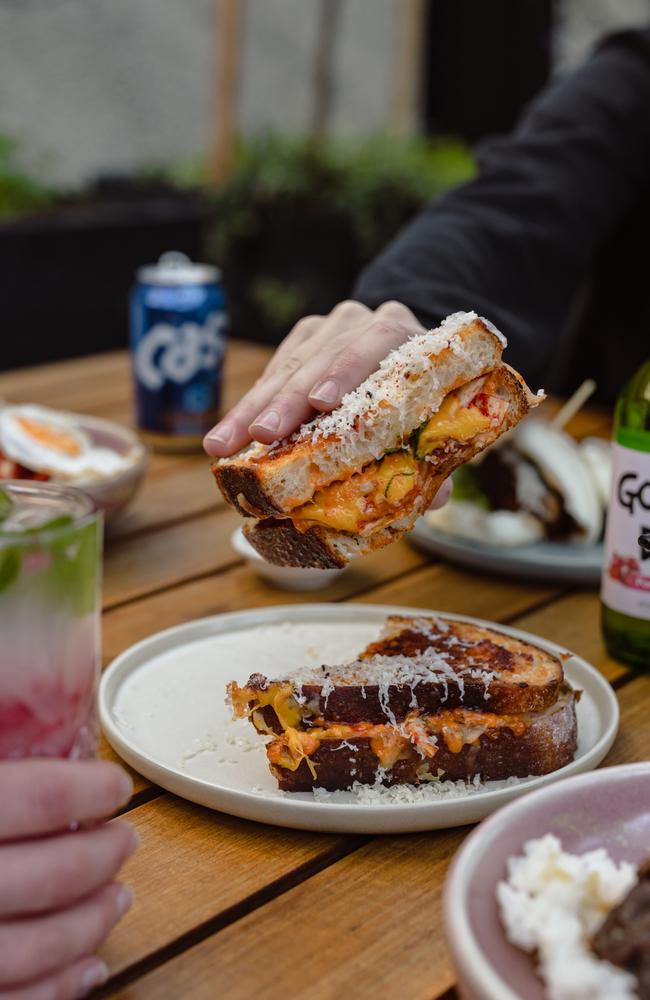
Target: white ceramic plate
{"x": 162, "y": 708}
{"x": 558, "y": 562}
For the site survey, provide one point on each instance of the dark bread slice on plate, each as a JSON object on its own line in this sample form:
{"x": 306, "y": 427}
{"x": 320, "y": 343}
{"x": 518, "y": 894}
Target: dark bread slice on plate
{"x": 424, "y": 663}
{"x": 529, "y": 744}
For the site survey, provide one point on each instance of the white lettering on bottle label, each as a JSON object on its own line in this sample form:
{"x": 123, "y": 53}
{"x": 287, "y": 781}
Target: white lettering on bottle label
{"x": 626, "y": 568}
{"x": 176, "y": 354}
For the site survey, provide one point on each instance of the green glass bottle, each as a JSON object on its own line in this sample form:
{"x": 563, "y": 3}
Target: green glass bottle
{"x": 626, "y": 569}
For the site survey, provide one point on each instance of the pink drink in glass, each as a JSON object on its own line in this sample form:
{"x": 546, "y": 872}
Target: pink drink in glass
{"x": 50, "y": 566}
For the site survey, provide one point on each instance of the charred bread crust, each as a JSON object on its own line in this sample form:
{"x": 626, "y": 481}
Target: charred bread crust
{"x": 549, "y": 744}
{"x": 489, "y": 670}
{"x": 241, "y": 487}
{"x": 362, "y": 704}
{"x": 279, "y": 542}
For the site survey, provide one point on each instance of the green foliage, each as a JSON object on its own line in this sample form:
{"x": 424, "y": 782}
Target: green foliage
{"x": 468, "y": 488}
{"x": 300, "y": 218}
{"x": 278, "y": 300}
{"x": 20, "y": 193}
{"x": 373, "y": 181}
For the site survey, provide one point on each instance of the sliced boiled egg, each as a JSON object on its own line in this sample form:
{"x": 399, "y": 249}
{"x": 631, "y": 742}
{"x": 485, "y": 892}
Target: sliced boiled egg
{"x": 52, "y": 443}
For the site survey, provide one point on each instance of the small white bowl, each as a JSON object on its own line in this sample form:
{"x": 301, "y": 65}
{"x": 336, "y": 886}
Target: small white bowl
{"x": 285, "y": 577}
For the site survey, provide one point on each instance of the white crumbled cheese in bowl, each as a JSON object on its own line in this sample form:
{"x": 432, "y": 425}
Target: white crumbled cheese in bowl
{"x": 552, "y": 904}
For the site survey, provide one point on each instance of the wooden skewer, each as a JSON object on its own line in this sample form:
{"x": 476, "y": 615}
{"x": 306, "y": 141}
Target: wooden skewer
{"x": 573, "y": 404}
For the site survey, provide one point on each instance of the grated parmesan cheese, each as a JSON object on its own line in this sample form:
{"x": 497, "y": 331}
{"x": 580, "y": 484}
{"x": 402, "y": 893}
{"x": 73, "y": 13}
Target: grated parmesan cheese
{"x": 434, "y": 790}
{"x": 384, "y": 388}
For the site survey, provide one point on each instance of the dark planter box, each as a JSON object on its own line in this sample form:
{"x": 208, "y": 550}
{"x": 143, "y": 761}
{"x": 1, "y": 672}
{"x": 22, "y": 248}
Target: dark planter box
{"x": 296, "y": 243}
{"x": 66, "y": 273}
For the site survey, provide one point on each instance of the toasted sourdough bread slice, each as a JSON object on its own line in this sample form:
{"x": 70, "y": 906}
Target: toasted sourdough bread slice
{"x": 458, "y": 744}
{"x": 424, "y": 664}
{"x": 367, "y": 511}
{"x": 408, "y": 387}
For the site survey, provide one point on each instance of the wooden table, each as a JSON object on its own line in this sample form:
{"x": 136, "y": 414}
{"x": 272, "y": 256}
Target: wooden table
{"x": 232, "y": 909}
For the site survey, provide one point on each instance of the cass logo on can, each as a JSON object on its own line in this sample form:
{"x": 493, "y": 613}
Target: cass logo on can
{"x": 177, "y": 354}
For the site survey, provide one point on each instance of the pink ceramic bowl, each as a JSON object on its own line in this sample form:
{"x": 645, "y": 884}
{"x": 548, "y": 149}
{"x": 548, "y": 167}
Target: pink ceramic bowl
{"x": 113, "y": 493}
{"x": 609, "y": 808}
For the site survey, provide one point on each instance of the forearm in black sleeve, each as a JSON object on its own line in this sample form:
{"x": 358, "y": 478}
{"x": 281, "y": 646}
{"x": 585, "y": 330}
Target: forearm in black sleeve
{"x": 516, "y": 242}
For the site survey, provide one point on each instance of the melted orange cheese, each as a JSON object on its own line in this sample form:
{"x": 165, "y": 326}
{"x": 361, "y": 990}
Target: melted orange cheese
{"x": 365, "y": 496}
{"x": 247, "y": 700}
{"x": 452, "y": 422}
{"x": 382, "y": 486}
{"x": 460, "y": 726}
{"x": 456, "y": 727}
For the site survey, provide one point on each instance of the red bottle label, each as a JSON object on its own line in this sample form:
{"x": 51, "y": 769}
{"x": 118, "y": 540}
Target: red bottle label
{"x": 626, "y": 568}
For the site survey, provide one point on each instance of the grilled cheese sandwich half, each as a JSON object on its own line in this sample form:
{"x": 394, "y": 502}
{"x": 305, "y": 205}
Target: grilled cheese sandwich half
{"x": 357, "y": 478}
{"x": 431, "y": 697}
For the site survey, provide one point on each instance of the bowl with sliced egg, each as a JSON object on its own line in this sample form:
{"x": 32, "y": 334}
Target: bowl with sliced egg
{"x": 103, "y": 458}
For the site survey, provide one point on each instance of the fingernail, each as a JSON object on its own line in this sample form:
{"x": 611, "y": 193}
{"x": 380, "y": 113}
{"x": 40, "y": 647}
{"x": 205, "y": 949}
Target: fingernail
{"x": 222, "y": 434}
{"x": 124, "y": 900}
{"x": 268, "y": 421}
{"x": 125, "y": 789}
{"x": 133, "y": 839}
{"x": 93, "y": 976}
{"x": 326, "y": 392}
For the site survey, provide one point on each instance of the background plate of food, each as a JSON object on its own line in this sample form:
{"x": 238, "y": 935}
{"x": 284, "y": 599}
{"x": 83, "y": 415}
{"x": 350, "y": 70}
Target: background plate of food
{"x": 163, "y": 709}
{"x": 104, "y": 459}
{"x": 552, "y": 876}
{"x": 532, "y": 506}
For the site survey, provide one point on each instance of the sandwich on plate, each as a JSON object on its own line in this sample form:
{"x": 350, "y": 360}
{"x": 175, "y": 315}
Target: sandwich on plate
{"x": 356, "y": 479}
{"x": 536, "y": 484}
{"x": 432, "y": 699}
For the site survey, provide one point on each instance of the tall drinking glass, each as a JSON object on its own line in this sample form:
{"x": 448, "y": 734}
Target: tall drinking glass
{"x": 50, "y": 578}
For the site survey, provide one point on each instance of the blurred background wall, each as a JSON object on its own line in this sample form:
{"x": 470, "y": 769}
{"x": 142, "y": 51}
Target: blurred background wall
{"x": 287, "y": 140}
{"x": 96, "y": 86}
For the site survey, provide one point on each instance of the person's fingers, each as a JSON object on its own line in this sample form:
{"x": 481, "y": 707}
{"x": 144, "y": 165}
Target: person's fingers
{"x": 70, "y": 983}
{"x": 358, "y": 360}
{"x": 232, "y": 433}
{"x": 50, "y": 874}
{"x": 308, "y": 344}
{"x": 304, "y": 330}
{"x": 399, "y": 312}
{"x": 44, "y": 796}
{"x": 32, "y": 948}
{"x": 442, "y": 496}
{"x": 290, "y": 406}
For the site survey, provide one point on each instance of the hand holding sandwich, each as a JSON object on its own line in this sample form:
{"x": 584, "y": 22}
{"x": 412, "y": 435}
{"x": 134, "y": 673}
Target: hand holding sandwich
{"x": 356, "y": 476}
{"x": 321, "y": 359}
{"x": 315, "y": 365}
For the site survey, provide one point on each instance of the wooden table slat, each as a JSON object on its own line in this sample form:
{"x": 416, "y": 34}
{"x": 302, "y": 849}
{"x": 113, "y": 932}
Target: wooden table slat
{"x": 197, "y": 865}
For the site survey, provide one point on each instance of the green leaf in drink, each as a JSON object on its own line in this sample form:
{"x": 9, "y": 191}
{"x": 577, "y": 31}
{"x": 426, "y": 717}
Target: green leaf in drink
{"x": 9, "y": 567}
{"x": 6, "y": 503}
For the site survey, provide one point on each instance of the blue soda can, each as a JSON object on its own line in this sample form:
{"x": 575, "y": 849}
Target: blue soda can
{"x": 178, "y": 325}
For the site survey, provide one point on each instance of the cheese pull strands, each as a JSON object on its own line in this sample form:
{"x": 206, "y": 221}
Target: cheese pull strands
{"x": 575, "y": 403}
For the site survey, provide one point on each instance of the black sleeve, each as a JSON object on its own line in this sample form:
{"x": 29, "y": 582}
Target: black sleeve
{"x": 516, "y": 242}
